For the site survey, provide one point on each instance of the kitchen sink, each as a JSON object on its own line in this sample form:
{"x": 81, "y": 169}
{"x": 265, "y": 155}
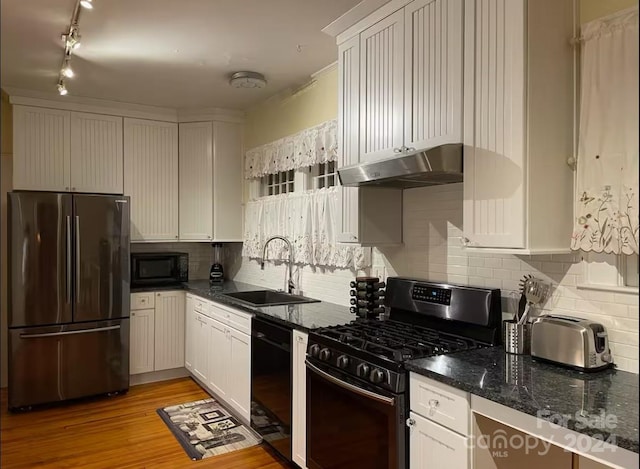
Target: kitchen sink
{"x": 269, "y": 298}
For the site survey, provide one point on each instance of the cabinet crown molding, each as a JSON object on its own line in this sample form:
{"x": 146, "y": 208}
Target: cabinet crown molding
{"x": 117, "y": 108}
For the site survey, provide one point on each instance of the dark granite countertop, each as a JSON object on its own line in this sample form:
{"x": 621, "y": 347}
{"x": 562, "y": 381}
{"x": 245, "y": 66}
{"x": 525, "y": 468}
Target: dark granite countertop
{"x": 544, "y": 390}
{"x": 303, "y": 317}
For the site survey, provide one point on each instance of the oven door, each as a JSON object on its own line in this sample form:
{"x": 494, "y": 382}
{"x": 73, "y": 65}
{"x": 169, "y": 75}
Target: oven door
{"x": 351, "y": 423}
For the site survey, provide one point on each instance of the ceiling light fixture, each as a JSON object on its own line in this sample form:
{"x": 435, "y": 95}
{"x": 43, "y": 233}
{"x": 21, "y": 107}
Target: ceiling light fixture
{"x": 61, "y": 88}
{"x": 67, "y": 71}
{"x": 247, "y": 80}
{"x": 71, "y": 40}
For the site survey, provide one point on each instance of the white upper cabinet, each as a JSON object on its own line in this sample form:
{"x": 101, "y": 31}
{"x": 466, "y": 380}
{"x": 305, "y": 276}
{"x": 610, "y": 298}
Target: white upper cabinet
{"x": 227, "y": 181}
{"x": 66, "y": 151}
{"x": 381, "y": 88}
{"x": 196, "y": 183}
{"x": 151, "y": 178}
{"x": 409, "y": 82}
{"x": 41, "y": 149}
{"x": 210, "y": 181}
{"x": 96, "y": 153}
{"x": 518, "y": 130}
{"x": 433, "y": 73}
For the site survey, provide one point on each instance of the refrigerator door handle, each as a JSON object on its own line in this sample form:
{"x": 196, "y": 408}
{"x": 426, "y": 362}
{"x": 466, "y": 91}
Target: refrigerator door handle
{"x": 78, "y": 273}
{"x": 82, "y": 331}
{"x": 69, "y": 266}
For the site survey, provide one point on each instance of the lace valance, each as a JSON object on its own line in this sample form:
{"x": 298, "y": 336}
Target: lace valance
{"x": 314, "y": 145}
{"x": 307, "y": 219}
{"x": 607, "y": 179}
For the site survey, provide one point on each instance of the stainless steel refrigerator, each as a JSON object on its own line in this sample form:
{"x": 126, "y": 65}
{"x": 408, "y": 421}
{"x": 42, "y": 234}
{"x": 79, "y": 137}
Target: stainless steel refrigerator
{"x": 68, "y": 296}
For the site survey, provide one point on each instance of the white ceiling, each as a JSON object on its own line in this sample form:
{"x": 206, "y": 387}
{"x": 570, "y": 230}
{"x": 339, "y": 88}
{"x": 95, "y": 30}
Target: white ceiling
{"x": 171, "y": 53}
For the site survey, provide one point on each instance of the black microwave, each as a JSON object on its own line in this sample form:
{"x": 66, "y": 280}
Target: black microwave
{"x": 159, "y": 268}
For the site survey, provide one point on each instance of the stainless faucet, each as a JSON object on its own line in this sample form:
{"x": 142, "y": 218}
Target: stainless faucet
{"x": 290, "y": 285}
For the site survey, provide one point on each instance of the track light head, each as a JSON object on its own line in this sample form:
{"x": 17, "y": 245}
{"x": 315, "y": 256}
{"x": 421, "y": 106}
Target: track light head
{"x": 61, "y": 88}
{"x": 88, "y": 4}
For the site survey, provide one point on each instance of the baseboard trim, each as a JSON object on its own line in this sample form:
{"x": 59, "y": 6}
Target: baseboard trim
{"x": 155, "y": 376}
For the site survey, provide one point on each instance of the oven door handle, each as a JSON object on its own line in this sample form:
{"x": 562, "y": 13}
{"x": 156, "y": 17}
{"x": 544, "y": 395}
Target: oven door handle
{"x": 350, "y": 387}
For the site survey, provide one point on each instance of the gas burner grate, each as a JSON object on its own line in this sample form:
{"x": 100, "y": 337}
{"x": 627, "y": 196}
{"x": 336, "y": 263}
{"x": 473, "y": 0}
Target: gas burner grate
{"x": 395, "y": 340}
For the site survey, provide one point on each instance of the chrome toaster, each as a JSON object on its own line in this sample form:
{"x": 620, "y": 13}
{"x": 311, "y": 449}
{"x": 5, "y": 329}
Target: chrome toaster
{"x": 574, "y": 342}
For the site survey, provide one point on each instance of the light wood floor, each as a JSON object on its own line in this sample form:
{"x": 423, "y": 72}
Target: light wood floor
{"x": 113, "y": 432}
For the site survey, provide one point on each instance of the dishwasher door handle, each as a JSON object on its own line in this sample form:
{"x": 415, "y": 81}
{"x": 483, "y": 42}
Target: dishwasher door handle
{"x": 350, "y": 387}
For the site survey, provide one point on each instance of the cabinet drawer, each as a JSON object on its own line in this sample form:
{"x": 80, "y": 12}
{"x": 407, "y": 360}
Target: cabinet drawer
{"x": 233, "y": 318}
{"x": 142, "y": 300}
{"x": 441, "y": 403}
{"x": 201, "y": 305}
{"x": 432, "y": 446}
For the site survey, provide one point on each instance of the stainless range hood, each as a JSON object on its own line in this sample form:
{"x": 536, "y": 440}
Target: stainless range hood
{"x": 438, "y": 165}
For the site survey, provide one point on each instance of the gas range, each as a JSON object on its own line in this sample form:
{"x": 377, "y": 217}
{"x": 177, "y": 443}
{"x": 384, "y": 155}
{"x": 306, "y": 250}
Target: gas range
{"x": 426, "y": 319}
{"x": 356, "y": 379}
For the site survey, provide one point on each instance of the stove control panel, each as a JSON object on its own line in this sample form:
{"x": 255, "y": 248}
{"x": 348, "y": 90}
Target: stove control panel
{"x": 430, "y": 294}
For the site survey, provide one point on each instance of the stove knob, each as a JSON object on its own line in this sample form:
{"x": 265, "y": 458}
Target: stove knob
{"x": 325, "y": 354}
{"x": 363, "y": 370}
{"x": 378, "y": 376}
{"x": 314, "y": 350}
{"x": 343, "y": 361}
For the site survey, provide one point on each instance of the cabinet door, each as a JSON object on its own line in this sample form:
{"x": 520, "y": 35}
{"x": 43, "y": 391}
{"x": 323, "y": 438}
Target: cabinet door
{"x": 218, "y": 357}
{"x": 299, "y": 405}
{"x": 433, "y": 73}
{"x": 201, "y": 348}
{"x": 239, "y": 372}
{"x": 381, "y": 88}
{"x": 432, "y": 446}
{"x": 169, "y": 330}
{"x": 151, "y": 178}
{"x": 348, "y": 134}
{"x": 96, "y": 153}
{"x": 196, "y": 181}
{"x": 189, "y": 336}
{"x": 41, "y": 149}
{"x": 141, "y": 344}
{"x": 227, "y": 181}
{"x": 494, "y": 124}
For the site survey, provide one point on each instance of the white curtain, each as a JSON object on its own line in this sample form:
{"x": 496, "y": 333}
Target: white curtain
{"x": 309, "y": 147}
{"x": 308, "y": 220}
{"x": 607, "y": 180}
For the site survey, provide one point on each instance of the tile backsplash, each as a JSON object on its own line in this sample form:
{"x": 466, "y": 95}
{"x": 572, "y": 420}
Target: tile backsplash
{"x": 200, "y": 256}
{"x": 432, "y": 250}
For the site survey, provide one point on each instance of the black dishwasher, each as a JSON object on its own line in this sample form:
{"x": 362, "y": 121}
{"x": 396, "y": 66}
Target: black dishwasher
{"x": 271, "y": 384}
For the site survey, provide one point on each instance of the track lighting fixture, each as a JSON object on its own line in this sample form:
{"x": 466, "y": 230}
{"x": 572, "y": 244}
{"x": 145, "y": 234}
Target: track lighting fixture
{"x": 71, "y": 40}
{"x": 61, "y": 88}
{"x": 67, "y": 71}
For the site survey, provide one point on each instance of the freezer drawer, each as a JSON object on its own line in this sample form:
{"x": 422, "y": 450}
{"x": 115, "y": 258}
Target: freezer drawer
{"x": 49, "y": 364}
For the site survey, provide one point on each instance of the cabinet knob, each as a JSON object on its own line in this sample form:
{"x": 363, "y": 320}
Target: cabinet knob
{"x": 158, "y": 294}
{"x": 410, "y": 422}
{"x": 176, "y": 236}
{"x": 397, "y": 150}
{"x": 66, "y": 188}
{"x": 433, "y": 403}
{"x": 73, "y": 188}
{"x": 133, "y": 314}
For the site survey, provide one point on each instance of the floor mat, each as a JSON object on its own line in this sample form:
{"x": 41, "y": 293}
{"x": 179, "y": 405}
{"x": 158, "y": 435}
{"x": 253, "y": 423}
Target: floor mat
{"x": 204, "y": 428}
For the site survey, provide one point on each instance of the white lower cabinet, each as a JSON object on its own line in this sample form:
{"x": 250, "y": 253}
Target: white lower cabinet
{"x": 218, "y": 354}
{"x": 200, "y": 347}
{"x": 157, "y": 331}
{"x": 439, "y": 435}
{"x": 141, "y": 343}
{"x": 239, "y": 372}
{"x": 432, "y": 446}
{"x": 218, "y": 351}
{"x": 299, "y": 404}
